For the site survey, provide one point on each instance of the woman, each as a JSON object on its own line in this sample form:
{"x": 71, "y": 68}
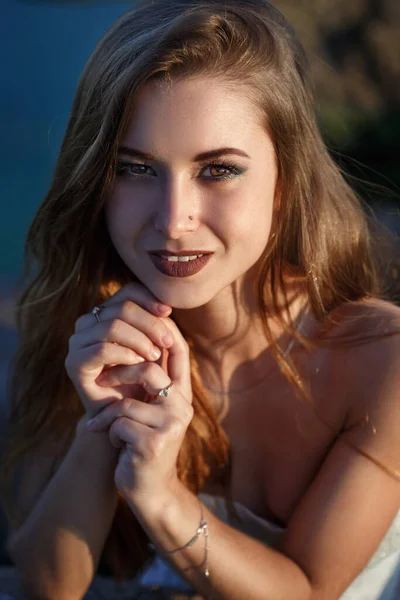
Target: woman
{"x": 232, "y": 398}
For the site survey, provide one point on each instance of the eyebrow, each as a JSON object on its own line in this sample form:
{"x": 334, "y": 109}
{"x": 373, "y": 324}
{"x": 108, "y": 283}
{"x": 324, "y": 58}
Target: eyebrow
{"x": 198, "y": 158}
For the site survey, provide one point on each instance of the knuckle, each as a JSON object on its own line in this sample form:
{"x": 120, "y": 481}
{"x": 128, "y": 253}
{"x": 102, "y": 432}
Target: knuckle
{"x": 119, "y": 421}
{"x": 165, "y": 329}
{"x": 155, "y": 323}
{"x": 127, "y": 306}
{"x": 145, "y": 369}
{"x": 126, "y": 405}
{"x": 102, "y": 349}
{"x": 115, "y": 428}
{"x": 156, "y": 444}
{"x": 175, "y": 427}
{"x": 114, "y": 327}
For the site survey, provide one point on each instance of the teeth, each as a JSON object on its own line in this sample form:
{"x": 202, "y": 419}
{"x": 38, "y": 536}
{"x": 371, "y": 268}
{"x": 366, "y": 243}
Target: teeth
{"x": 181, "y": 258}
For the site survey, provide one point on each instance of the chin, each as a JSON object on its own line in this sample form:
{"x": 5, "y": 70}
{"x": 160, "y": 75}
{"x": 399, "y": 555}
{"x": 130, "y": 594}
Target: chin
{"x": 182, "y": 299}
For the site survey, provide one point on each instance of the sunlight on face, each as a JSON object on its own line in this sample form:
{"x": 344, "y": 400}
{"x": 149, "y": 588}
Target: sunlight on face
{"x": 161, "y": 181}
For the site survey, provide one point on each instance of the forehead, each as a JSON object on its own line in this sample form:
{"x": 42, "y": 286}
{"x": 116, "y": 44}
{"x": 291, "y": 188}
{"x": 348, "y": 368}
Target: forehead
{"x": 191, "y": 115}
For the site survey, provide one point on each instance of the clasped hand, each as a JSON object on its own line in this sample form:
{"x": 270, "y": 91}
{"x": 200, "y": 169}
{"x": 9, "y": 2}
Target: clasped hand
{"x": 112, "y": 364}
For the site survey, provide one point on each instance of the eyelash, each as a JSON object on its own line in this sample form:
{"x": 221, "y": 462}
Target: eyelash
{"x": 123, "y": 167}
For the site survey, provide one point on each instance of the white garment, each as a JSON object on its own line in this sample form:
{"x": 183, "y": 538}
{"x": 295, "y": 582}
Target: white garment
{"x": 380, "y": 580}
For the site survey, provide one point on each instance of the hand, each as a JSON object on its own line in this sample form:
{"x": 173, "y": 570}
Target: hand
{"x": 131, "y": 331}
{"x": 151, "y": 434}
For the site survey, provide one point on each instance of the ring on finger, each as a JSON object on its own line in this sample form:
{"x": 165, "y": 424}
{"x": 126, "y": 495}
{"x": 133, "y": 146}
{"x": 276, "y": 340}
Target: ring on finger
{"x": 165, "y": 391}
{"x": 96, "y": 312}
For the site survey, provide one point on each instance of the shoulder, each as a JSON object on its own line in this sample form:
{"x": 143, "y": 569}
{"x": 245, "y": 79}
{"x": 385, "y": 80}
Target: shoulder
{"x": 371, "y": 366}
{"x": 368, "y": 336}
{"x": 364, "y": 339}
{"x": 361, "y": 321}
{"x": 361, "y": 367}
{"x": 357, "y": 487}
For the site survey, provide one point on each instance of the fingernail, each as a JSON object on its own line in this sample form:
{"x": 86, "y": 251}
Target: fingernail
{"x": 155, "y": 353}
{"x": 161, "y": 308}
{"x": 167, "y": 339}
{"x": 91, "y": 424}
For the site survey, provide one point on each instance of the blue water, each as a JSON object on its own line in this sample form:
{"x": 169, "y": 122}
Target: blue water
{"x": 43, "y": 49}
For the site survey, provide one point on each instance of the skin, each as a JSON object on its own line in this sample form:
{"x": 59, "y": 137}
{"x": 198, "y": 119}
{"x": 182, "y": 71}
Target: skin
{"x": 289, "y": 461}
{"x": 231, "y": 218}
{"x": 227, "y": 219}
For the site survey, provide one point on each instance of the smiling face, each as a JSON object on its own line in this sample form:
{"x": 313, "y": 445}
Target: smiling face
{"x": 168, "y": 197}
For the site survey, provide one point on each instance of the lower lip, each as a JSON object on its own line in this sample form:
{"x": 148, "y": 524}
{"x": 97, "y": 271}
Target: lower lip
{"x": 180, "y": 269}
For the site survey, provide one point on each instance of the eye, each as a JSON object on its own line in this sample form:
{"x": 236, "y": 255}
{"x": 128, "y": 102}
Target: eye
{"x": 221, "y": 171}
{"x": 133, "y": 169}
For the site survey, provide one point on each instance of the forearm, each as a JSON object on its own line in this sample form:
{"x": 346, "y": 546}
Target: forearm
{"x": 240, "y": 567}
{"x": 58, "y": 547}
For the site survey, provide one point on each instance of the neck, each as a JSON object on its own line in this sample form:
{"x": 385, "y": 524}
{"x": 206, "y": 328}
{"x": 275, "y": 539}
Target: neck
{"x": 228, "y": 331}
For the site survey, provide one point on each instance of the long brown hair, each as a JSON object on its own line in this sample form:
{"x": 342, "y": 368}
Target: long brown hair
{"x": 320, "y": 233}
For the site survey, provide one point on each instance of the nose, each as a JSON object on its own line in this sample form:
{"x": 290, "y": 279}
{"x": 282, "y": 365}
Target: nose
{"x": 177, "y": 212}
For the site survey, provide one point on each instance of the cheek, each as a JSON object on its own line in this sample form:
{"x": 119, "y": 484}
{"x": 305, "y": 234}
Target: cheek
{"x": 124, "y": 214}
{"x": 245, "y": 218}
{"x": 115, "y": 222}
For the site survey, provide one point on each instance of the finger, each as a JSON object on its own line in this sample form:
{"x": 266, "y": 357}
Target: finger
{"x": 149, "y": 375}
{"x": 130, "y": 313}
{"x": 133, "y": 292}
{"x": 146, "y": 414}
{"x": 99, "y": 355}
{"x": 163, "y": 362}
{"x": 178, "y": 365}
{"x": 117, "y": 332}
{"x": 139, "y": 294}
{"x": 125, "y": 431}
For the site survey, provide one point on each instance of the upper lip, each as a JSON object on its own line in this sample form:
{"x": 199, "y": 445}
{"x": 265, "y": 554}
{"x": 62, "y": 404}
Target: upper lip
{"x": 179, "y": 252}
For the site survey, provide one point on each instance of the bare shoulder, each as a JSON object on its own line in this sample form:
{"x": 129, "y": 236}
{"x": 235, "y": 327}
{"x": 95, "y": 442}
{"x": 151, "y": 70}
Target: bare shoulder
{"x": 364, "y": 320}
{"x": 361, "y": 349}
{"x": 368, "y": 332}
{"x": 357, "y": 488}
{"x": 371, "y": 366}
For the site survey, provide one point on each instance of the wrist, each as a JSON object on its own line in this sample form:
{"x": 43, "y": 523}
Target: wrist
{"x": 81, "y": 427}
{"x": 95, "y": 444}
{"x": 160, "y": 506}
{"x": 174, "y": 522}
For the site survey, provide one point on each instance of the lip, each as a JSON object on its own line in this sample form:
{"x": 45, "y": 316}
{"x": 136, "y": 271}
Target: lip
{"x": 179, "y": 269}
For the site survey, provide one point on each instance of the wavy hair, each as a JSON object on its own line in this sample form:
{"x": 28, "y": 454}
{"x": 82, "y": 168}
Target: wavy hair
{"x": 320, "y": 232}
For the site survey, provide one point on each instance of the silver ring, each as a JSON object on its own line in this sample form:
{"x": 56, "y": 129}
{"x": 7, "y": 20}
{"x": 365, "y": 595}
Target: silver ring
{"x": 165, "y": 391}
{"x": 96, "y": 313}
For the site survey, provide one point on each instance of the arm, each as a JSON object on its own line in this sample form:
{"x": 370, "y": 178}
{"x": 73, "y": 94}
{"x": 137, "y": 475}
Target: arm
{"x": 330, "y": 538}
{"x": 57, "y": 548}
{"x": 336, "y": 527}
{"x": 240, "y": 567}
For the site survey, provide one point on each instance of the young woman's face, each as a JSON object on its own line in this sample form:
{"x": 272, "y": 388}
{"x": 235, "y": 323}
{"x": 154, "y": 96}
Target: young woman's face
{"x": 168, "y": 199}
